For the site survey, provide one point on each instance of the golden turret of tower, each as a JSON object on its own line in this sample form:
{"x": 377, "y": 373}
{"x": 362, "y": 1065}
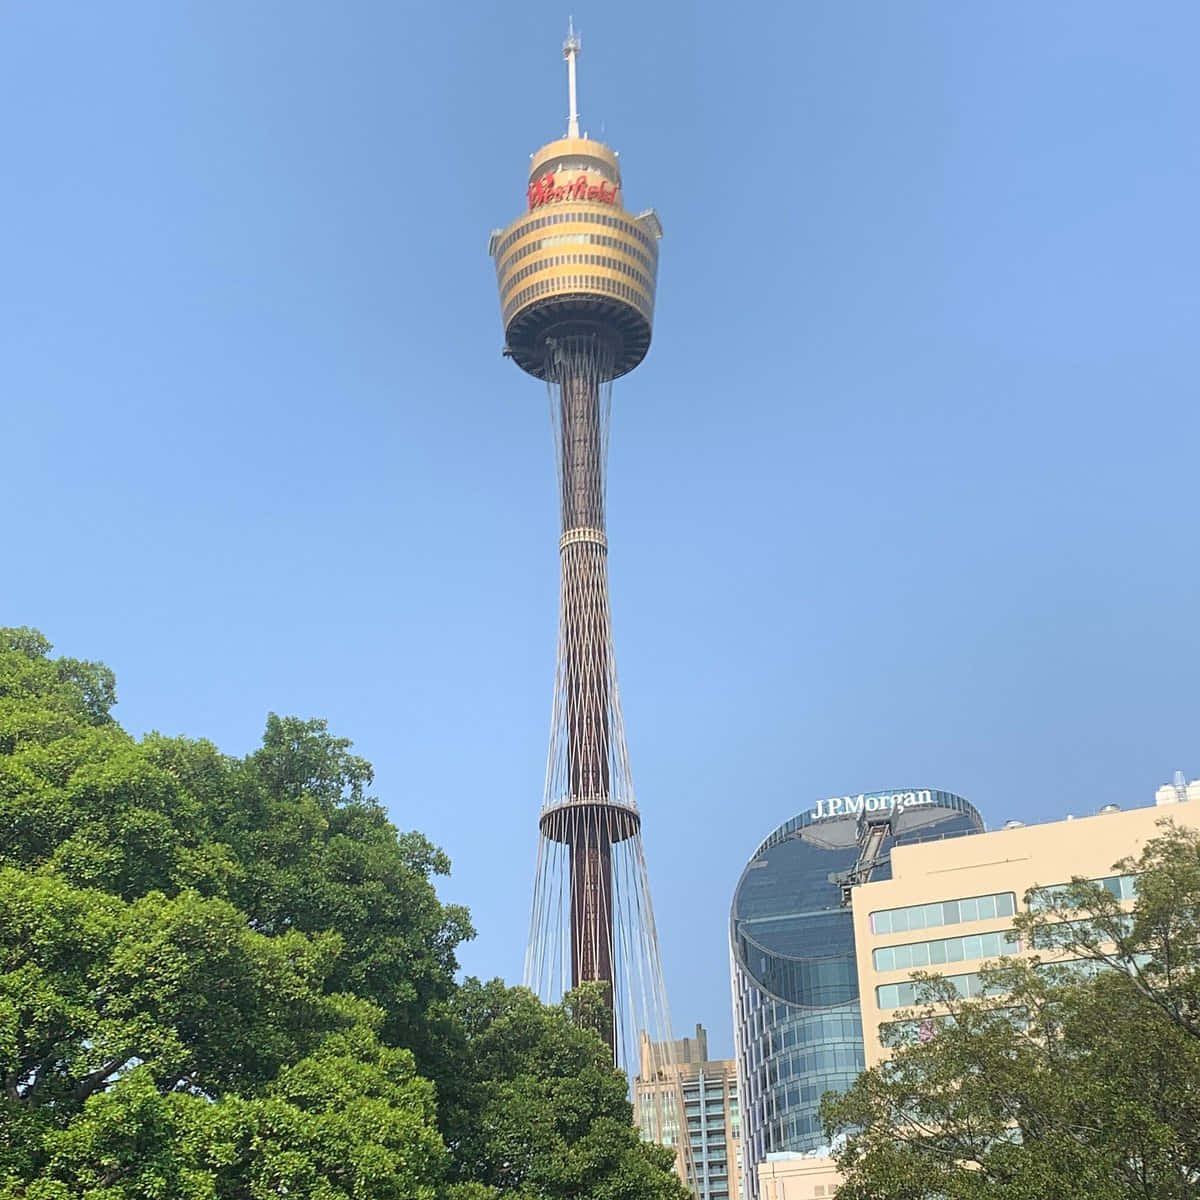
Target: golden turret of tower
{"x": 576, "y": 262}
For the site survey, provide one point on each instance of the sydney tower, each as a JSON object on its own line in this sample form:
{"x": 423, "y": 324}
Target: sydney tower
{"x": 577, "y": 273}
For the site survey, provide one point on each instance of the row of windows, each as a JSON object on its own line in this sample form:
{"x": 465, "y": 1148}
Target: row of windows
{"x": 944, "y": 912}
{"x": 918, "y": 1029}
{"x": 649, "y": 261}
{"x": 811, "y": 982}
{"x": 1123, "y": 887}
{"x": 1061, "y": 934}
{"x": 582, "y": 283}
{"x": 1085, "y": 968}
{"x": 770, "y": 1093}
{"x": 922, "y": 1029}
{"x": 587, "y": 260}
{"x": 597, "y": 165}
{"x": 777, "y": 1104}
{"x": 799, "y": 1126}
{"x": 579, "y": 216}
{"x": 901, "y": 995}
{"x": 713, "y": 1091}
{"x": 832, "y": 1058}
{"x": 827, "y": 1027}
{"x": 946, "y": 950}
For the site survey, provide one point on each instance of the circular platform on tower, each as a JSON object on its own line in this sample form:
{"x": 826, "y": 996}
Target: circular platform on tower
{"x": 592, "y": 821}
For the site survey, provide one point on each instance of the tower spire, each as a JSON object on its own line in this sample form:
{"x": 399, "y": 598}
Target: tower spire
{"x": 571, "y": 48}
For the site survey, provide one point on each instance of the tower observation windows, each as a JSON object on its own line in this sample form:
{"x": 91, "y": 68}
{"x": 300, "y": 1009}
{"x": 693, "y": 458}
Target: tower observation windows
{"x": 649, "y": 261}
{"x": 563, "y": 260}
{"x": 564, "y": 284}
{"x": 579, "y": 216}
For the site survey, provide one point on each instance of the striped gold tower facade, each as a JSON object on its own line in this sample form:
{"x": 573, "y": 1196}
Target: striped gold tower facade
{"x": 576, "y": 274}
{"x": 577, "y": 258}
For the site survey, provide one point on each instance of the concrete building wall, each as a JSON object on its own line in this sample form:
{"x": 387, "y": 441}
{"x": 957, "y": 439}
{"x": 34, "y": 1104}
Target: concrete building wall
{"x": 797, "y": 1177}
{"x": 978, "y": 882}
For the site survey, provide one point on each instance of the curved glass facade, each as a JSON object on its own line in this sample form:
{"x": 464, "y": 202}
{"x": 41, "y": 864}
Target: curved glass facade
{"x": 797, "y": 1022}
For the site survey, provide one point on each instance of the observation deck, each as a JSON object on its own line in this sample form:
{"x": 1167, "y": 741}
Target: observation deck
{"x": 576, "y": 262}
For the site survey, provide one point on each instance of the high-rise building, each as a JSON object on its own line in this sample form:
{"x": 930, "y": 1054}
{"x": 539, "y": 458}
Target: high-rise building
{"x": 682, "y": 1069}
{"x": 798, "y": 1028}
{"x": 941, "y": 902}
{"x": 577, "y": 274}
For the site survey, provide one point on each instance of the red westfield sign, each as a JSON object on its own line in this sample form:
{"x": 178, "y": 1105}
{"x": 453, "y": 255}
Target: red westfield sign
{"x": 546, "y": 190}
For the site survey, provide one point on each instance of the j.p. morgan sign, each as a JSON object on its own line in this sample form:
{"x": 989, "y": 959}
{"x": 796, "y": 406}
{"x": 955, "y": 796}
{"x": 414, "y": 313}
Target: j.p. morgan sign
{"x": 842, "y": 806}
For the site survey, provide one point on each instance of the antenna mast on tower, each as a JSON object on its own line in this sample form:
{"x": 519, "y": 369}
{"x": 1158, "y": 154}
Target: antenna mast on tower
{"x": 571, "y": 48}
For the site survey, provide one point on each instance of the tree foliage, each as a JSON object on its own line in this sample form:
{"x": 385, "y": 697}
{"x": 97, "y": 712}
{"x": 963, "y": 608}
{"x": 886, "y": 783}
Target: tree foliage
{"x": 232, "y": 979}
{"x": 1076, "y": 1074}
{"x": 541, "y": 1112}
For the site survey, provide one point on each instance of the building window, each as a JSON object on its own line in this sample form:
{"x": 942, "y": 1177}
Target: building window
{"x": 944, "y": 912}
{"x": 1123, "y": 887}
{"x": 946, "y": 950}
{"x": 920, "y": 1029}
{"x": 901, "y": 995}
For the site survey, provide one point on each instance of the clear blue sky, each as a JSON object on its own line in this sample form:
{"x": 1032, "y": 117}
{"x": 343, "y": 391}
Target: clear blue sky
{"x": 905, "y": 494}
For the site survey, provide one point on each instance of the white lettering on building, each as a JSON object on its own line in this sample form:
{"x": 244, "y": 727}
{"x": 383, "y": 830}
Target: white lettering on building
{"x": 843, "y": 806}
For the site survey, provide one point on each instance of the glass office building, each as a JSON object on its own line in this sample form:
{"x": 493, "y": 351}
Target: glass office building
{"x": 798, "y": 1027}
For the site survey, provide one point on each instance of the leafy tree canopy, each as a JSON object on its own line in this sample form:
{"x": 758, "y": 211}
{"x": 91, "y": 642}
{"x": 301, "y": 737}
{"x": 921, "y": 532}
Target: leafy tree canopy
{"x": 1077, "y": 1074}
{"x": 540, "y": 1112}
{"x": 232, "y": 979}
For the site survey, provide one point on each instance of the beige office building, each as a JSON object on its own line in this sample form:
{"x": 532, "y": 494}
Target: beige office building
{"x": 678, "y": 1084}
{"x": 948, "y": 908}
{"x": 798, "y": 1177}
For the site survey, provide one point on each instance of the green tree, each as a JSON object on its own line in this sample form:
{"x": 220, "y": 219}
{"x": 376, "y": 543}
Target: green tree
{"x": 232, "y": 979}
{"x": 538, "y": 1112}
{"x": 316, "y": 853}
{"x": 1077, "y": 1074}
{"x": 161, "y": 1046}
{"x": 352, "y": 1120}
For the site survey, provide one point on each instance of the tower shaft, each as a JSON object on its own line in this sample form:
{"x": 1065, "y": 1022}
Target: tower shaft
{"x": 582, "y": 363}
{"x": 584, "y": 596}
